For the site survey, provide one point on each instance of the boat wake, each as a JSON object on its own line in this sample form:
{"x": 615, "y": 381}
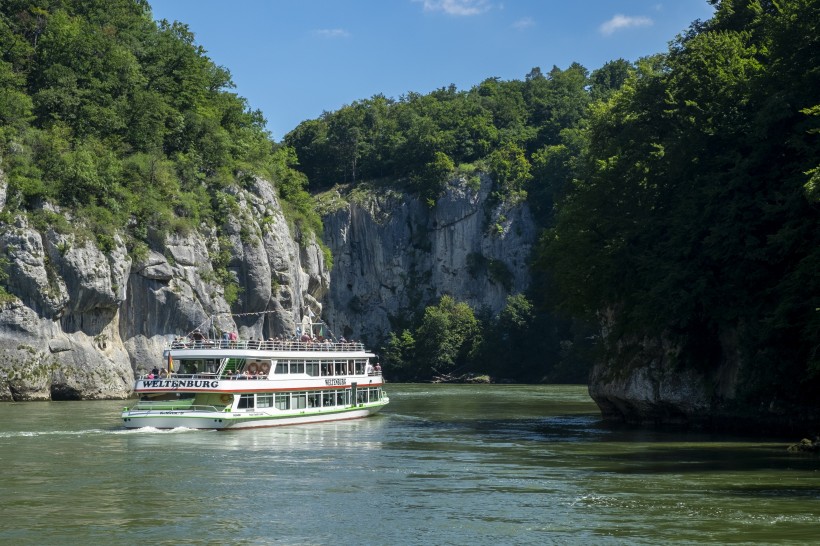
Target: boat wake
{"x": 94, "y": 432}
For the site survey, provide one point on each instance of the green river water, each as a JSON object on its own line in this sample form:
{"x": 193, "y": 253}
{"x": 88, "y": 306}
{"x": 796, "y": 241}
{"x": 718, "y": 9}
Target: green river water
{"x": 443, "y": 464}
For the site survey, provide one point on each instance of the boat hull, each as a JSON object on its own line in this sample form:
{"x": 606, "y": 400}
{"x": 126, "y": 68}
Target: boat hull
{"x": 224, "y": 420}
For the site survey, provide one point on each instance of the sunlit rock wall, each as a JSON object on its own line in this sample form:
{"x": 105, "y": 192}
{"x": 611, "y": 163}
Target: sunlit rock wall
{"x": 394, "y": 255}
{"x": 82, "y": 322}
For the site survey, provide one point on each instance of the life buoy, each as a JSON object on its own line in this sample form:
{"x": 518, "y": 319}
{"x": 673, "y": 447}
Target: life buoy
{"x": 226, "y": 398}
{"x": 264, "y": 368}
{"x": 252, "y": 368}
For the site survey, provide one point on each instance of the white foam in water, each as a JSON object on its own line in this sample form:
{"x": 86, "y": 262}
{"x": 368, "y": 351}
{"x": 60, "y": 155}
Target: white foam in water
{"x": 95, "y": 431}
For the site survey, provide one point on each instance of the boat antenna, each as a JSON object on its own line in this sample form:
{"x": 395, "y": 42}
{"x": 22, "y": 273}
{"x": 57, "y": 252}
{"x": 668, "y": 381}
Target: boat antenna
{"x": 201, "y": 326}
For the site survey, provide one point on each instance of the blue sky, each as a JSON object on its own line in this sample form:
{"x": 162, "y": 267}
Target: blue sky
{"x": 295, "y": 59}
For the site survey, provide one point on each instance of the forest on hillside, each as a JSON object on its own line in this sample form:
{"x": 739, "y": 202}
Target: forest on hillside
{"x": 678, "y": 195}
{"x": 126, "y": 126}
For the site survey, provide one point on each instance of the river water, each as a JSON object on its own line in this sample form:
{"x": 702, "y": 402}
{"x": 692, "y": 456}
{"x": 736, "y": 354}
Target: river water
{"x": 442, "y": 464}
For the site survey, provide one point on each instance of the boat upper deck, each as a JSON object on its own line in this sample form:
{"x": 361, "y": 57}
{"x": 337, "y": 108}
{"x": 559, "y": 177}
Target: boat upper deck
{"x": 267, "y": 345}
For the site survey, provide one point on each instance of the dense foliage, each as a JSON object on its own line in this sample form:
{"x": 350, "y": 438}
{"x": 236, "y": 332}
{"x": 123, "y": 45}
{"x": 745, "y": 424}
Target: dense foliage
{"x": 694, "y": 212}
{"x": 125, "y": 121}
{"x": 519, "y": 344}
{"x": 508, "y": 128}
{"x": 679, "y": 196}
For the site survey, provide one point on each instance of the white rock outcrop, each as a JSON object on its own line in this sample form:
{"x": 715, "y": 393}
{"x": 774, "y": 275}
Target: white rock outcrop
{"x": 393, "y": 255}
{"x": 82, "y": 322}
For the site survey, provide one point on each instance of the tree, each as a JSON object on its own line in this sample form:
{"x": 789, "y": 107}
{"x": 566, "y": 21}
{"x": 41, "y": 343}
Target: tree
{"x": 688, "y": 217}
{"x": 447, "y": 338}
{"x": 399, "y": 356}
{"x": 511, "y": 172}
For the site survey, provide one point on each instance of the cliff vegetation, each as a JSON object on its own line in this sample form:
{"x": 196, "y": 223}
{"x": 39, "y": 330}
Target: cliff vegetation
{"x": 126, "y": 123}
{"x": 678, "y": 201}
{"x": 659, "y": 217}
{"x": 140, "y": 198}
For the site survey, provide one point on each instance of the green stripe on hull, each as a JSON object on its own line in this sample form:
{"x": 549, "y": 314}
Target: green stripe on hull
{"x": 227, "y": 420}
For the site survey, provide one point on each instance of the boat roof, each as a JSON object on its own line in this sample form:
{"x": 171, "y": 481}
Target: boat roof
{"x": 210, "y": 352}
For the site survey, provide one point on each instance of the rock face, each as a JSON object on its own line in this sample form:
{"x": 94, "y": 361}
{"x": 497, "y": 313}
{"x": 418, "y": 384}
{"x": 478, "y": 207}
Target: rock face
{"x": 79, "y": 323}
{"x": 641, "y": 382}
{"x": 393, "y": 255}
{"x": 646, "y": 388}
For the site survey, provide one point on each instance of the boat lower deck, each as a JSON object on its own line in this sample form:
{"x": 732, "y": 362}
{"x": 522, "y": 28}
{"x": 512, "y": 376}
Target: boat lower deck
{"x": 211, "y": 417}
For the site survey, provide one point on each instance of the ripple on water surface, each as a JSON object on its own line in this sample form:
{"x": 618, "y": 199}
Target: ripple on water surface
{"x": 442, "y": 464}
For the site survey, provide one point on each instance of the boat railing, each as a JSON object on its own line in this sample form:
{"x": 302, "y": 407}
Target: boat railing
{"x": 198, "y": 376}
{"x": 172, "y": 406}
{"x": 238, "y": 377}
{"x": 267, "y": 345}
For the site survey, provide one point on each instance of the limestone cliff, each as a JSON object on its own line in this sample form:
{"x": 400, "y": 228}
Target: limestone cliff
{"x": 81, "y": 321}
{"x": 641, "y": 380}
{"x": 394, "y": 255}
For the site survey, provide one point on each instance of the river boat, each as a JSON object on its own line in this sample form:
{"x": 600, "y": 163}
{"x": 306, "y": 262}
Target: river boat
{"x": 234, "y": 384}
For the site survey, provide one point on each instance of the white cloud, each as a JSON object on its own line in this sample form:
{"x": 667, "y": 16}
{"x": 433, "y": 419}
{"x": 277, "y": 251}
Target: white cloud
{"x": 524, "y": 23}
{"x": 457, "y": 7}
{"x": 620, "y": 22}
{"x": 331, "y": 33}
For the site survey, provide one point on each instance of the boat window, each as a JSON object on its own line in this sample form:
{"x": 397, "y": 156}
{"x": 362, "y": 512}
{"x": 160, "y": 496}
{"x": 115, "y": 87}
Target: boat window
{"x": 299, "y": 400}
{"x": 328, "y": 399}
{"x": 359, "y": 367}
{"x": 312, "y": 368}
{"x": 189, "y": 367}
{"x": 297, "y": 366}
{"x": 264, "y": 400}
{"x": 282, "y": 400}
{"x": 245, "y": 401}
{"x": 313, "y": 398}
{"x": 341, "y": 398}
{"x": 210, "y": 366}
{"x": 281, "y": 367}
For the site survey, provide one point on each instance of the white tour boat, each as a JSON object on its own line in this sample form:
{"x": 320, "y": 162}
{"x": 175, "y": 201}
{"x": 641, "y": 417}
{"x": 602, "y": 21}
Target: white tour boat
{"x": 232, "y": 384}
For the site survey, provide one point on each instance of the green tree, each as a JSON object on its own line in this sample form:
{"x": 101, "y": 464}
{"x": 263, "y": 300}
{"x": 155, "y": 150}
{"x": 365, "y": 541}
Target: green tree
{"x": 688, "y": 216}
{"x": 399, "y": 356}
{"x": 126, "y": 121}
{"x": 447, "y": 338}
{"x": 511, "y": 172}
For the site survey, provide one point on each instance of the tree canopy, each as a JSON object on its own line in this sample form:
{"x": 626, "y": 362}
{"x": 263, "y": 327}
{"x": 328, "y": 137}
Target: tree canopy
{"x": 125, "y": 120}
{"x": 691, "y": 213}
{"x": 678, "y": 194}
